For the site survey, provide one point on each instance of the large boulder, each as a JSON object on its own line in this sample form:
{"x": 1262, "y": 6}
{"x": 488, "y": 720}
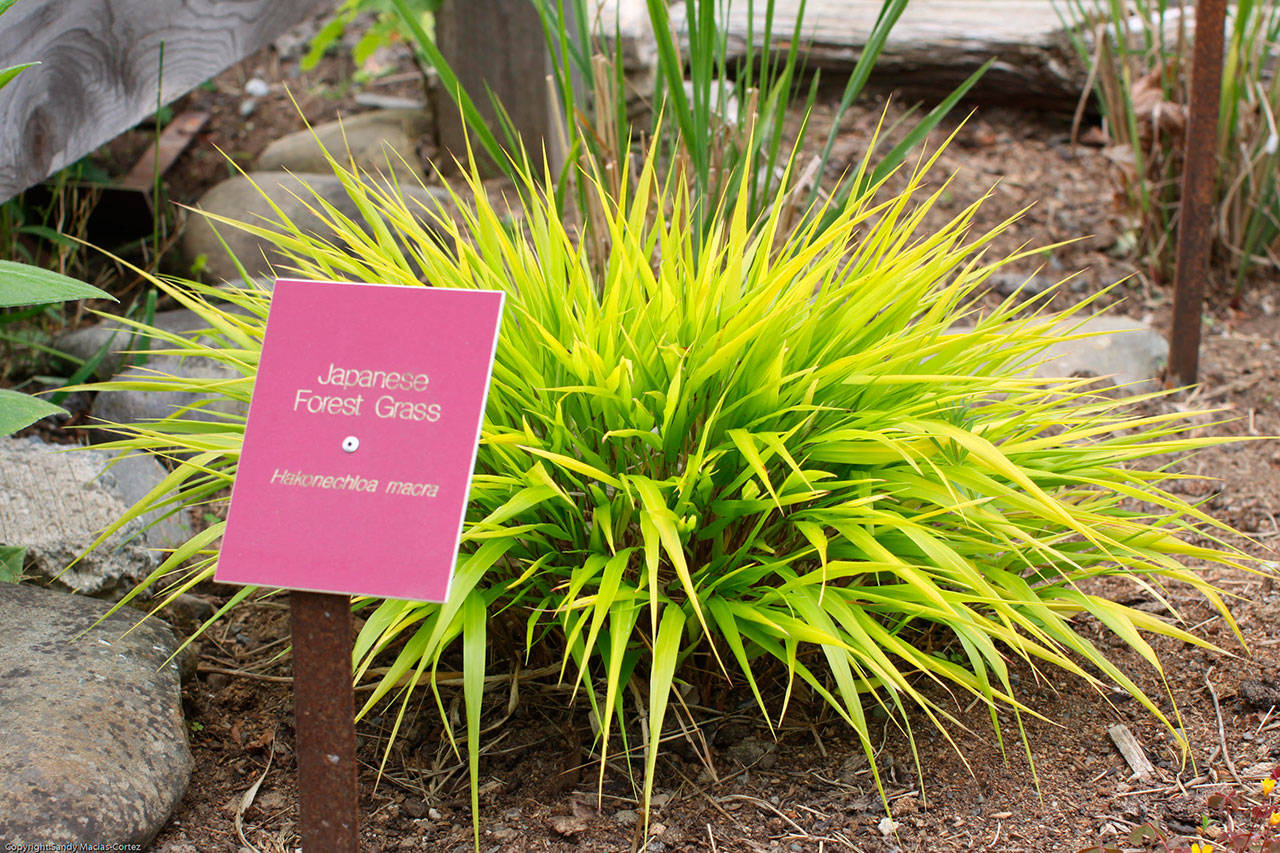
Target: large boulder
{"x": 95, "y": 748}
{"x": 55, "y": 501}
{"x": 249, "y": 198}
{"x": 374, "y": 140}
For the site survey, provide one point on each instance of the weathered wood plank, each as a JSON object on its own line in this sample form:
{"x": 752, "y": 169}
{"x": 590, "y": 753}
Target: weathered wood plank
{"x": 101, "y": 68}
{"x": 1132, "y": 750}
{"x": 935, "y": 45}
{"x": 498, "y": 47}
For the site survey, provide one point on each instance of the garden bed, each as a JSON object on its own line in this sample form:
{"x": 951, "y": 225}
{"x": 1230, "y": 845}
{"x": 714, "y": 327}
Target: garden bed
{"x": 729, "y": 785}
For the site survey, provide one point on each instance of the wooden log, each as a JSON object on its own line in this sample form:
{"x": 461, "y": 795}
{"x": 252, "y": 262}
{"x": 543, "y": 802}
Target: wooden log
{"x": 933, "y": 47}
{"x": 101, "y": 68}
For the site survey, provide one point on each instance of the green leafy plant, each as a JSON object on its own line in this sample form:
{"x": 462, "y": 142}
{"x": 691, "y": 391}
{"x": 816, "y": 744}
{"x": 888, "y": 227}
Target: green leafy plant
{"x": 383, "y": 31}
{"x": 12, "y": 558}
{"x": 1139, "y": 55}
{"x": 713, "y": 451}
{"x": 23, "y": 284}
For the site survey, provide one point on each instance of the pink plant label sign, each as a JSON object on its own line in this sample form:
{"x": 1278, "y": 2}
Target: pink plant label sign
{"x": 361, "y": 439}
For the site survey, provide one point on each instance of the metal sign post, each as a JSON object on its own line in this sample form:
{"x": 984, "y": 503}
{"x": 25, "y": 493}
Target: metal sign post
{"x": 324, "y": 719}
{"x": 1195, "y": 217}
{"x": 353, "y": 480}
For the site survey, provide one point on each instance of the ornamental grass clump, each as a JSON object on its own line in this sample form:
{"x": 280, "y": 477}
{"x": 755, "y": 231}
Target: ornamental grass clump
{"x": 754, "y": 451}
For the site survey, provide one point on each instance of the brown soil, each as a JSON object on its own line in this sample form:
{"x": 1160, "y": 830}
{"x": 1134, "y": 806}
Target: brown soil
{"x": 727, "y": 784}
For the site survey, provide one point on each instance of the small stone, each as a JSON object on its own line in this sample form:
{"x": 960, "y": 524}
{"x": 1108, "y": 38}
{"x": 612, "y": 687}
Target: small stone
{"x": 723, "y": 101}
{"x": 188, "y": 612}
{"x": 887, "y": 826}
{"x": 247, "y": 107}
{"x": 257, "y": 88}
{"x": 626, "y": 817}
{"x": 750, "y": 751}
{"x": 1009, "y": 283}
{"x": 434, "y": 814}
{"x": 853, "y": 767}
{"x": 415, "y": 808}
{"x": 1260, "y": 694}
{"x": 568, "y": 824}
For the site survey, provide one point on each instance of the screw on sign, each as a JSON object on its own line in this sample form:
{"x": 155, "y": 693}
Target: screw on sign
{"x": 353, "y": 480}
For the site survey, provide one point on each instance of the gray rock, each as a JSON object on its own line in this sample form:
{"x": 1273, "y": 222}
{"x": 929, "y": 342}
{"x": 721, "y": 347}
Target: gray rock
{"x": 133, "y": 406}
{"x": 1126, "y": 352}
{"x": 55, "y": 502}
{"x": 1129, "y": 352}
{"x": 85, "y": 343}
{"x": 136, "y": 406}
{"x": 95, "y": 748}
{"x": 1260, "y": 693}
{"x": 373, "y": 139}
{"x": 239, "y": 199}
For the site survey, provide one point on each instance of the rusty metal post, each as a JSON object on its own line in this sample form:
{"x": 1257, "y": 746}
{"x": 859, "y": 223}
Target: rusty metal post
{"x": 324, "y": 716}
{"x": 1195, "y": 217}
